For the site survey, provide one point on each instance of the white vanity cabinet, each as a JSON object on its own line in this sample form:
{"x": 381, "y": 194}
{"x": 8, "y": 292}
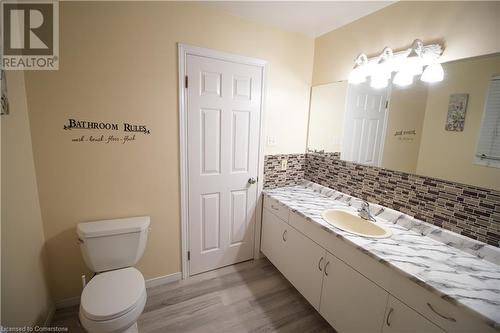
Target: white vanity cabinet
{"x": 351, "y": 290}
{"x": 277, "y": 208}
{"x": 307, "y": 261}
{"x": 400, "y": 318}
{"x": 299, "y": 259}
{"x": 272, "y": 240}
{"x": 350, "y": 302}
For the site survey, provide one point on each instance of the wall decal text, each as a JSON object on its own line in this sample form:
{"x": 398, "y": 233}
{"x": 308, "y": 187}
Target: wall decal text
{"x": 94, "y": 125}
{"x": 405, "y": 135}
{"x": 105, "y": 139}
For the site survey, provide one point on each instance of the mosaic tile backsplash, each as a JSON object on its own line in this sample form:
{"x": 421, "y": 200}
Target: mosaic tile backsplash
{"x": 275, "y": 177}
{"x": 468, "y": 210}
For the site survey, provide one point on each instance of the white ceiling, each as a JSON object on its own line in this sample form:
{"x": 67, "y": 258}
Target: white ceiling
{"x": 312, "y": 18}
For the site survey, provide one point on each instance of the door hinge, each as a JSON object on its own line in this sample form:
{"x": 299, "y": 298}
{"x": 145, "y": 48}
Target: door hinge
{"x": 186, "y": 81}
{"x": 386, "y": 104}
{"x": 189, "y": 255}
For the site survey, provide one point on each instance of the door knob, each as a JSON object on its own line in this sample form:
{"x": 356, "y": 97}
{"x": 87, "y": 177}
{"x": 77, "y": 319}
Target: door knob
{"x": 252, "y": 180}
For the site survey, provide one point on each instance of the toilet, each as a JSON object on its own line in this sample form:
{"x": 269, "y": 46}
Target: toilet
{"x": 114, "y": 298}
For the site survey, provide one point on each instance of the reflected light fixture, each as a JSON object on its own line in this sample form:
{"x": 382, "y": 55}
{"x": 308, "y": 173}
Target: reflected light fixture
{"x": 433, "y": 73}
{"x": 403, "y": 79}
{"x": 359, "y": 72}
{"x": 414, "y": 62}
{"x": 412, "y": 65}
{"x": 382, "y": 71}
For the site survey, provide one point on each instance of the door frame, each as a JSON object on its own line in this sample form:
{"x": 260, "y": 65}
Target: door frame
{"x": 183, "y": 51}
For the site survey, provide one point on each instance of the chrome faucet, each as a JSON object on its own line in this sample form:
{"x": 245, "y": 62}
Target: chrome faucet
{"x": 364, "y": 211}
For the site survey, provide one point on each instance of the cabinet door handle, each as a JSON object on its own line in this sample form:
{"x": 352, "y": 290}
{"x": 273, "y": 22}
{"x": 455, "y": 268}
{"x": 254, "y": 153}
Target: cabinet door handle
{"x": 283, "y": 236}
{"x": 326, "y": 266}
{"x": 319, "y": 264}
{"x": 440, "y": 315}
{"x": 388, "y": 319}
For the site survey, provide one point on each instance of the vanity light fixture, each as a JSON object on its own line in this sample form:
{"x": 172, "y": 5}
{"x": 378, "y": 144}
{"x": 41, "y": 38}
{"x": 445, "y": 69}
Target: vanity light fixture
{"x": 433, "y": 73}
{"x": 414, "y": 62}
{"x": 403, "y": 79}
{"x": 360, "y": 70}
{"x": 411, "y": 66}
{"x": 382, "y": 71}
{"x": 407, "y": 64}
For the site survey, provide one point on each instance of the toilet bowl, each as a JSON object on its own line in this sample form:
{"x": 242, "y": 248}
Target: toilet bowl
{"x": 113, "y": 301}
{"x": 114, "y": 298}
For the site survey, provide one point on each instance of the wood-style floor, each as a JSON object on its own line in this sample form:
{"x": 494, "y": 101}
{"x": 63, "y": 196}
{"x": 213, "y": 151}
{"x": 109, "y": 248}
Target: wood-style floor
{"x": 247, "y": 297}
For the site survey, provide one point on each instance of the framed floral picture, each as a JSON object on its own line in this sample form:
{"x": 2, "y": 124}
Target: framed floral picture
{"x": 457, "y": 107}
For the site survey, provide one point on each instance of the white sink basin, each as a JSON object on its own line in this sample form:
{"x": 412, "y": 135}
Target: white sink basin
{"x": 351, "y": 222}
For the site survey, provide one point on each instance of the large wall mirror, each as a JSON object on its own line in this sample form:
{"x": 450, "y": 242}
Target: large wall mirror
{"x": 448, "y": 130}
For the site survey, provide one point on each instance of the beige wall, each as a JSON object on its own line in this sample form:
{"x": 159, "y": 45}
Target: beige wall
{"x": 450, "y": 155}
{"x": 467, "y": 28}
{"x": 25, "y": 297}
{"x": 326, "y": 119}
{"x": 119, "y": 64}
{"x": 406, "y": 113}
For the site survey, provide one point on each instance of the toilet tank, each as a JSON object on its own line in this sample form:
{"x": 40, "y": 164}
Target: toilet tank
{"x": 113, "y": 244}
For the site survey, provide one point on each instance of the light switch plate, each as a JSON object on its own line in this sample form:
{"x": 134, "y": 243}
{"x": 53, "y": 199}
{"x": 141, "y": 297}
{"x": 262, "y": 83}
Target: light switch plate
{"x": 284, "y": 164}
{"x": 271, "y": 140}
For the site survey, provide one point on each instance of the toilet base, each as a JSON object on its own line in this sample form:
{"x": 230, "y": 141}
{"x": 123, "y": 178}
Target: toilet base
{"x": 132, "y": 329}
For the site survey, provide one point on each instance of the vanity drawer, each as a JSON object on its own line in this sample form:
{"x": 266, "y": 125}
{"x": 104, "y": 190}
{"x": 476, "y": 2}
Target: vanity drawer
{"x": 276, "y": 208}
{"x": 450, "y": 317}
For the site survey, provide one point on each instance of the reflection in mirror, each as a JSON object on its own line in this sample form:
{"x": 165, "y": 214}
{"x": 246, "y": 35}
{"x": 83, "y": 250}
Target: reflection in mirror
{"x": 448, "y": 130}
{"x": 327, "y": 117}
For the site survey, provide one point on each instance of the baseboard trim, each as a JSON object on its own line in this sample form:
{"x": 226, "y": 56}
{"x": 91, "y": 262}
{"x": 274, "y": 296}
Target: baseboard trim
{"x": 68, "y": 302}
{"x": 161, "y": 280}
{"x": 150, "y": 283}
{"x": 50, "y": 314}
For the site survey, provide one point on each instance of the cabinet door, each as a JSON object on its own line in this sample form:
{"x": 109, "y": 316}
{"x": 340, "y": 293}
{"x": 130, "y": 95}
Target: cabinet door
{"x": 399, "y": 318}
{"x": 305, "y": 269}
{"x": 272, "y": 243}
{"x": 349, "y": 301}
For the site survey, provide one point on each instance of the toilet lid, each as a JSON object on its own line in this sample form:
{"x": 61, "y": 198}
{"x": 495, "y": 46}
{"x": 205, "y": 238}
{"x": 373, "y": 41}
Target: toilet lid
{"x": 112, "y": 294}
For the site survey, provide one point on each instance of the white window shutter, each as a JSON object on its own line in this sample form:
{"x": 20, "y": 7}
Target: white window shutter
{"x": 488, "y": 148}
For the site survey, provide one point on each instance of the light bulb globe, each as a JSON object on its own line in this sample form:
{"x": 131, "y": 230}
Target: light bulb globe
{"x": 433, "y": 73}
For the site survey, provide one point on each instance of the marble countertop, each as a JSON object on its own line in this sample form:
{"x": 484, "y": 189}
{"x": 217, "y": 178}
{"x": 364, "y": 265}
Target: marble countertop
{"x": 460, "y": 270}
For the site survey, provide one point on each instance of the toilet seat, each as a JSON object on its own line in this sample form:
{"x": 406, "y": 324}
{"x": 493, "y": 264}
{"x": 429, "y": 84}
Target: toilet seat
{"x": 127, "y": 323}
{"x": 113, "y": 294}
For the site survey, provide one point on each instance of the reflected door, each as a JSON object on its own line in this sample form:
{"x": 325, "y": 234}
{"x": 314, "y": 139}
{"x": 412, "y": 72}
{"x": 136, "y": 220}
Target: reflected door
{"x": 223, "y": 105}
{"x": 365, "y": 124}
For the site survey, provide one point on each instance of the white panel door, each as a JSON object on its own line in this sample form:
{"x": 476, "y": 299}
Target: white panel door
{"x": 365, "y": 124}
{"x": 223, "y": 115}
